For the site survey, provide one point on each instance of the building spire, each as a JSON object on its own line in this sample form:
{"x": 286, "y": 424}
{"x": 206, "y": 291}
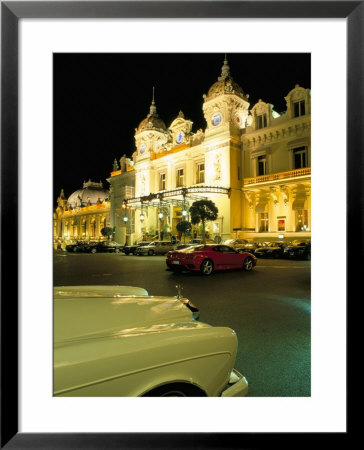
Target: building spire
{"x": 225, "y": 70}
{"x": 153, "y": 108}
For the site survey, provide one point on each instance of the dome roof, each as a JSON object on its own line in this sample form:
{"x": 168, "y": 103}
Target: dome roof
{"x": 225, "y": 85}
{"x": 90, "y": 193}
{"x": 152, "y": 121}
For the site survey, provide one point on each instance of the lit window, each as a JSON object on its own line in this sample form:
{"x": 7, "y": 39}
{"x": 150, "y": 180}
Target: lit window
{"x": 261, "y": 162}
{"x": 299, "y": 157}
{"x": 162, "y": 181}
{"x": 179, "y": 178}
{"x": 301, "y": 220}
{"x": 263, "y": 222}
{"x": 299, "y": 108}
{"x": 200, "y": 173}
{"x": 262, "y": 121}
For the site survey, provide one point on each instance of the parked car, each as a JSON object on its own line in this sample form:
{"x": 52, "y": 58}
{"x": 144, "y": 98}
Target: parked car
{"x": 155, "y": 248}
{"x": 71, "y": 247}
{"x": 109, "y": 342}
{"x": 80, "y": 247}
{"x": 270, "y": 250}
{"x": 199, "y": 241}
{"x": 209, "y": 258}
{"x": 180, "y": 246}
{"x": 298, "y": 249}
{"x": 236, "y": 243}
{"x": 103, "y": 247}
{"x": 251, "y": 247}
{"x": 131, "y": 249}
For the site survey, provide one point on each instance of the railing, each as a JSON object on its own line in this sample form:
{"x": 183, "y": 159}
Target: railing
{"x": 278, "y": 176}
{"x": 115, "y": 173}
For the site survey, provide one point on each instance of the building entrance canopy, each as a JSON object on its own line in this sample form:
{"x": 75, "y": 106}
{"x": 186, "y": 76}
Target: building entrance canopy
{"x": 175, "y": 195}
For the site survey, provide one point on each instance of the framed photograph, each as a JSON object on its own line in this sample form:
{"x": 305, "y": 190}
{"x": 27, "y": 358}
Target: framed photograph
{"x": 43, "y": 46}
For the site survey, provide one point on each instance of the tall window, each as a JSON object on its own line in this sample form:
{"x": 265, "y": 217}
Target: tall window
{"x": 93, "y": 228}
{"x": 299, "y": 108}
{"x": 301, "y": 220}
{"x": 262, "y": 121}
{"x": 263, "y": 222}
{"x": 162, "y": 181}
{"x": 262, "y": 166}
{"x": 299, "y": 157}
{"x": 179, "y": 177}
{"x": 200, "y": 173}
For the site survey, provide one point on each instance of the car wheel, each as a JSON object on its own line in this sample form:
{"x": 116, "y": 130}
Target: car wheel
{"x": 176, "y": 390}
{"x": 207, "y": 267}
{"x": 127, "y": 253}
{"x": 248, "y": 264}
{"x": 93, "y": 250}
{"x": 150, "y": 252}
{"x": 75, "y": 249}
{"x": 117, "y": 250}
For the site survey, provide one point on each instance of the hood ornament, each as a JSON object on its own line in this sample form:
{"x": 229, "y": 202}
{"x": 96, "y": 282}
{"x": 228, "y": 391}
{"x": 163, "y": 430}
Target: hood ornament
{"x": 179, "y": 288}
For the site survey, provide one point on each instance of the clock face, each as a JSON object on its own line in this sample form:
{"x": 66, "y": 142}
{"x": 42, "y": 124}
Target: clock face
{"x": 142, "y": 149}
{"x": 216, "y": 119}
{"x": 180, "y": 137}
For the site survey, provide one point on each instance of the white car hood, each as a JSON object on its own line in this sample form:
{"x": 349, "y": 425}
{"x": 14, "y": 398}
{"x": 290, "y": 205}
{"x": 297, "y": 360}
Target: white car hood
{"x": 97, "y": 291}
{"x": 81, "y": 317}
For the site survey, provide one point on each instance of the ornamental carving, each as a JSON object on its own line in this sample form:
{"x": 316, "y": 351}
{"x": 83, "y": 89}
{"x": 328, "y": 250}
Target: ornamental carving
{"x": 217, "y": 167}
{"x": 274, "y": 192}
{"x": 250, "y": 197}
{"x": 285, "y": 194}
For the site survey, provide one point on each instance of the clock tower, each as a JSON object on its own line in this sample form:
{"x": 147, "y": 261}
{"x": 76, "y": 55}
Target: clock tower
{"x": 225, "y": 104}
{"x": 150, "y": 134}
{"x": 225, "y": 109}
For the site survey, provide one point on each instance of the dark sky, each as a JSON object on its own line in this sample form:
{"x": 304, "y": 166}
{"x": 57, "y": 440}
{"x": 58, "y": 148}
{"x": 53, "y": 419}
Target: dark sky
{"x": 99, "y": 100}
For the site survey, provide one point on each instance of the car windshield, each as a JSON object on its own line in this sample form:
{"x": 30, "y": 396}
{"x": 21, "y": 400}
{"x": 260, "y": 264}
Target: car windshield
{"x": 299, "y": 243}
{"x": 193, "y": 248}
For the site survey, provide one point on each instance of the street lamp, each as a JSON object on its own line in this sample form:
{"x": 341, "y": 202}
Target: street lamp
{"x": 160, "y": 217}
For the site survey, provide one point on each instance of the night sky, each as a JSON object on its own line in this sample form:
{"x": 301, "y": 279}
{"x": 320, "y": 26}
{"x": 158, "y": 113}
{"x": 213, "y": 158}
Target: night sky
{"x": 99, "y": 100}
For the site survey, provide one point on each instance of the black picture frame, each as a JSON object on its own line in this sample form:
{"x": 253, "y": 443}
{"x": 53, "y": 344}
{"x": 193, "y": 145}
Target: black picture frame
{"x": 11, "y": 12}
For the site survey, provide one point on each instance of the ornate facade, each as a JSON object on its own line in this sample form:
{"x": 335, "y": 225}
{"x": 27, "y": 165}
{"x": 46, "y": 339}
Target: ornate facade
{"x": 252, "y": 162}
{"x": 82, "y": 215}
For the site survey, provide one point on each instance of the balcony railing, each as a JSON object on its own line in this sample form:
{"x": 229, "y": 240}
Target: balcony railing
{"x": 278, "y": 176}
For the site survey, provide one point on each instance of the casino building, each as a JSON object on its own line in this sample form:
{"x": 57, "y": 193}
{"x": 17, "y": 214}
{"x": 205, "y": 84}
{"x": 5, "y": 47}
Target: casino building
{"x": 252, "y": 162}
{"x": 82, "y": 215}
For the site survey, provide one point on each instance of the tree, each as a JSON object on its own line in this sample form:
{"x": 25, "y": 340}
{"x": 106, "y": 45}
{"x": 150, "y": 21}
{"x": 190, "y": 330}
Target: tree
{"x": 184, "y": 227}
{"x": 107, "y": 232}
{"x": 203, "y": 211}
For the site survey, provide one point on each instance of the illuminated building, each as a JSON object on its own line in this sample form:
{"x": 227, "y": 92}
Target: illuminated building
{"x": 253, "y": 163}
{"x": 82, "y": 215}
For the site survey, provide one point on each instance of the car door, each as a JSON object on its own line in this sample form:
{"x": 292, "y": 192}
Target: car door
{"x": 230, "y": 257}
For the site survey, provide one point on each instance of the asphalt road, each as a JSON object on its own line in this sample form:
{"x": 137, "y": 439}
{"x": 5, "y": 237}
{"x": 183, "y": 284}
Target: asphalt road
{"x": 269, "y": 308}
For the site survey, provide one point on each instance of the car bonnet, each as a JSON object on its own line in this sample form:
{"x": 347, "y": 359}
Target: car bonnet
{"x": 87, "y": 317}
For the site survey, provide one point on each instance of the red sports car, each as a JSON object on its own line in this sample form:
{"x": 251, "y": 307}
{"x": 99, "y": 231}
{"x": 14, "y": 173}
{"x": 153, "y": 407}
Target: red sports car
{"x": 209, "y": 258}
